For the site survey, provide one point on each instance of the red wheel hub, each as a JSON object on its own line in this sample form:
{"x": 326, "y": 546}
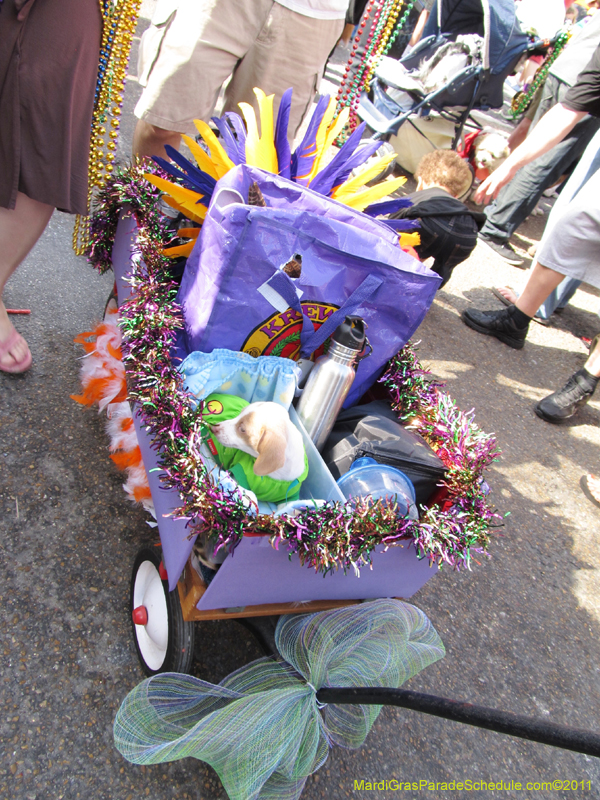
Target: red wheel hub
{"x": 139, "y": 615}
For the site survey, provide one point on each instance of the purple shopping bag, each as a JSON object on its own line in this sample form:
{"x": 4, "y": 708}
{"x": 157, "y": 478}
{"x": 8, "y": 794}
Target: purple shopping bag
{"x": 235, "y": 294}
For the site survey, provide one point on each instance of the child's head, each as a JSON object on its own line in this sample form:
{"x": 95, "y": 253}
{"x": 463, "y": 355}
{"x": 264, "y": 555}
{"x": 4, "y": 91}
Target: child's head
{"x": 446, "y": 169}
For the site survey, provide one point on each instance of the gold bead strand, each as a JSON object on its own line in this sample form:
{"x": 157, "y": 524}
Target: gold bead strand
{"x": 387, "y": 32}
{"x": 119, "y": 21}
{"x": 81, "y": 231}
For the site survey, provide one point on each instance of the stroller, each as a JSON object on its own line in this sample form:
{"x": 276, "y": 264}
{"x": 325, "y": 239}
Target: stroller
{"x": 468, "y": 50}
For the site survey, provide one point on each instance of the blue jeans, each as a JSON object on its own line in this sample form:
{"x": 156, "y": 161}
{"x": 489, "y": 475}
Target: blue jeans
{"x": 519, "y": 197}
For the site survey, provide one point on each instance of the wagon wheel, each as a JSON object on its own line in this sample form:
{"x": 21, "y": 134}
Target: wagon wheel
{"x": 163, "y": 640}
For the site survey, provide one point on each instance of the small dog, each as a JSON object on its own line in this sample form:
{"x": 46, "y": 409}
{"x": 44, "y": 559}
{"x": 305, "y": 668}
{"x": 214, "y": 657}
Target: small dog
{"x": 265, "y": 431}
{"x": 489, "y": 151}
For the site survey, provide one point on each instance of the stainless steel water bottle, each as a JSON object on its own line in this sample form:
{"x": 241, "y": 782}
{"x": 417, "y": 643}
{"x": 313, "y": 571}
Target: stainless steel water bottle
{"x": 330, "y": 380}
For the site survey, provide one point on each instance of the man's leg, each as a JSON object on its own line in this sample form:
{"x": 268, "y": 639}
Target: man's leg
{"x": 588, "y": 165}
{"x": 558, "y": 298}
{"x": 518, "y": 199}
{"x": 510, "y": 325}
{"x": 290, "y": 51}
{"x": 586, "y": 169}
{"x": 572, "y": 247}
{"x": 149, "y": 140}
{"x": 20, "y": 228}
{"x": 186, "y": 56}
{"x": 542, "y": 281}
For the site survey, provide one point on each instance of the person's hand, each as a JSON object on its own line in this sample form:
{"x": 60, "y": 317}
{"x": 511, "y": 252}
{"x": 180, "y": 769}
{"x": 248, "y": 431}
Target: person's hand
{"x": 550, "y": 130}
{"x": 493, "y": 183}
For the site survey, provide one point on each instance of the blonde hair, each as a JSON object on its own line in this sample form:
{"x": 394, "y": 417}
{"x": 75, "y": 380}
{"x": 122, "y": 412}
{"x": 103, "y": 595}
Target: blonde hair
{"x": 447, "y": 169}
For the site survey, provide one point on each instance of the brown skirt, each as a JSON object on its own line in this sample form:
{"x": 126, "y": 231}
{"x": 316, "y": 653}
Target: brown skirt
{"x": 49, "y": 53}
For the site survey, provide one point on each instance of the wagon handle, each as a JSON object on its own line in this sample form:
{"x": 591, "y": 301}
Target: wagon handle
{"x": 536, "y": 730}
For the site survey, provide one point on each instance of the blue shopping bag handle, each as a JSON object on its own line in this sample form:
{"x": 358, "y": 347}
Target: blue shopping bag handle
{"x": 311, "y": 340}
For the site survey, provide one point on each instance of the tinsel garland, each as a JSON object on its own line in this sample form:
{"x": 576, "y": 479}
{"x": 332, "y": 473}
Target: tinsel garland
{"x": 339, "y": 535}
{"x": 127, "y": 189}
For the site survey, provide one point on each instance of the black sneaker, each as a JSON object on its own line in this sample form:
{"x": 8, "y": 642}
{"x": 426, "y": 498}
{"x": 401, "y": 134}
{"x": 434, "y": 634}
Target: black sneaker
{"x": 497, "y": 323}
{"x": 563, "y": 404}
{"x": 503, "y": 249}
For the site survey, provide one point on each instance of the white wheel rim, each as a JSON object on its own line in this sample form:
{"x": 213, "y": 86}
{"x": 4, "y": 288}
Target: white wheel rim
{"x": 152, "y": 638}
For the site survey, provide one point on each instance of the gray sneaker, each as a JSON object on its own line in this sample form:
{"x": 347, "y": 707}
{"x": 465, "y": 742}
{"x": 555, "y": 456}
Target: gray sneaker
{"x": 564, "y": 403}
{"x": 503, "y": 249}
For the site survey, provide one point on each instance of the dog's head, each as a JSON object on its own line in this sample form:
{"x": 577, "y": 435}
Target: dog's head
{"x": 490, "y": 150}
{"x": 261, "y": 430}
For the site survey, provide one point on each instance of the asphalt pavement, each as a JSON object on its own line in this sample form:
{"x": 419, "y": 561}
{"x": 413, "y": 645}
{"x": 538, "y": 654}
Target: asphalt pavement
{"x": 521, "y": 629}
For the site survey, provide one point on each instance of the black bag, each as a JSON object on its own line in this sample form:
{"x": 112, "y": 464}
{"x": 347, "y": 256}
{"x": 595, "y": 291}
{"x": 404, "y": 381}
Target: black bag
{"x": 448, "y": 229}
{"x": 373, "y": 430}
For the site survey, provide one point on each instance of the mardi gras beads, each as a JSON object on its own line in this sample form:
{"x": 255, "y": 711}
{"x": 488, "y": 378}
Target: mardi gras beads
{"x": 385, "y": 28}
{"x": 522, "y": 99}
{"x": 399, "y": 25}
{"x": 119, "y": 20}
{"x": 385, "y": 44}
{"x": 375, "y": 7}
{"x": 388, "y": 38}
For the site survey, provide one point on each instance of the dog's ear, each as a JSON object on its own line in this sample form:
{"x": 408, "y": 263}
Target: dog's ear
{"x": 271, "y": 451}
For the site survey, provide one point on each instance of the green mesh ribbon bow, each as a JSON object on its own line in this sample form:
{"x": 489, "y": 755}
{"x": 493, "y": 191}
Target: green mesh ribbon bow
{"x": 261, "y": 728}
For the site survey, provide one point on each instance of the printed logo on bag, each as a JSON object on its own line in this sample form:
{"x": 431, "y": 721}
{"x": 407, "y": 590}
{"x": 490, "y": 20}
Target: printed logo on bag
{"x": 214, "y": 407}
{"x": 279, "y": 335}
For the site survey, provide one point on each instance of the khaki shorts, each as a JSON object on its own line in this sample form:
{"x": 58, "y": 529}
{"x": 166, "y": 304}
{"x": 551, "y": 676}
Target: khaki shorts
{"x": 572, "y": 246}
{"x": 193, "y": 46}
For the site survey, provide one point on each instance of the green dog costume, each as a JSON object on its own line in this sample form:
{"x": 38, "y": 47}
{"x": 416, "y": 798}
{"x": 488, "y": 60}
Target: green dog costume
{"x": 221, "y": 407}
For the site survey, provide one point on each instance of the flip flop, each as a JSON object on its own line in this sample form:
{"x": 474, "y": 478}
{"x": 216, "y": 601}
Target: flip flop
{"x": 497, "y": 293}
{"x": 19, "y": 366}
{"x": 591, "y": 487}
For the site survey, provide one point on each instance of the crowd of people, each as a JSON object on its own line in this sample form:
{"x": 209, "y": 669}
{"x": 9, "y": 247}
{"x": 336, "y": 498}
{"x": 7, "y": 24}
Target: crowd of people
{"x": 567, "y": 254}
{"x": 48, "y": 66}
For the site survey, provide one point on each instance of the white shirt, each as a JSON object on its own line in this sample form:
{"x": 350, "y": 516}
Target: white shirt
{"x": 318, "y": 9}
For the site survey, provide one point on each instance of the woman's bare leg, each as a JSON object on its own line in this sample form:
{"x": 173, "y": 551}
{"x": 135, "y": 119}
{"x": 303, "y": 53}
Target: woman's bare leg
{"x": 20, "y": 228}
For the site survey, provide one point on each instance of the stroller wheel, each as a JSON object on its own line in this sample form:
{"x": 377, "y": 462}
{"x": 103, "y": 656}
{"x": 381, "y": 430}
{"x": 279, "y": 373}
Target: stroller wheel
{"x": 163, "y": 640}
